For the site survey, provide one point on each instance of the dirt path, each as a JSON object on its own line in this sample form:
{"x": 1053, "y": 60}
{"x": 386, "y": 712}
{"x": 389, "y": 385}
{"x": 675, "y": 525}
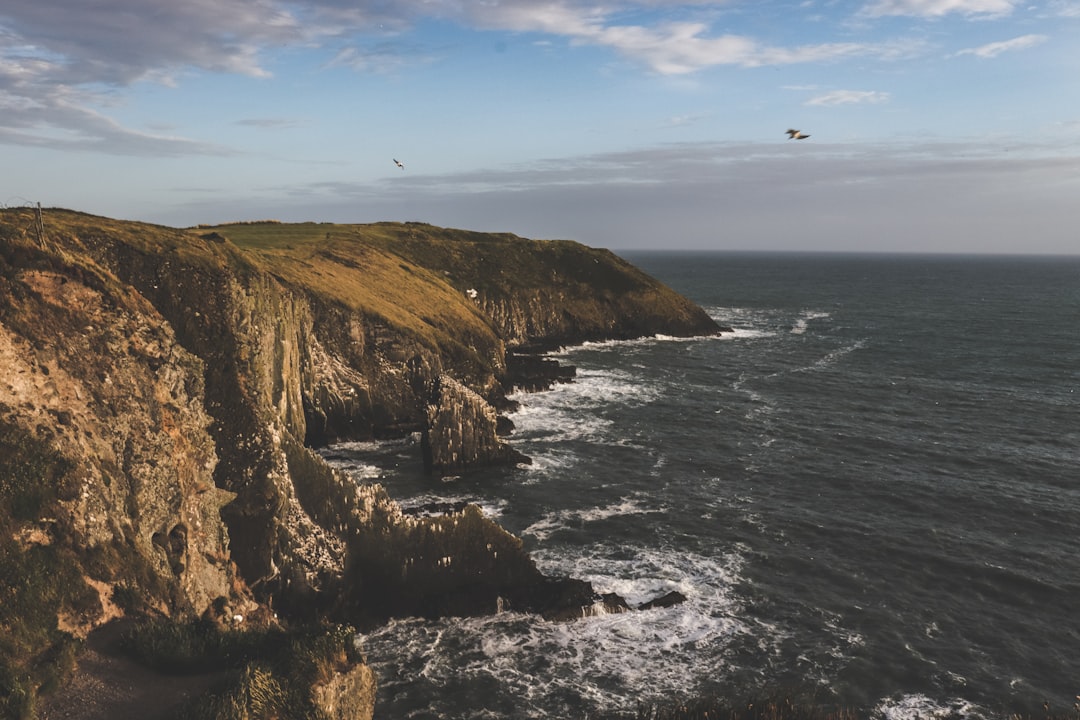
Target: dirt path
{"x": 106, "y": 684}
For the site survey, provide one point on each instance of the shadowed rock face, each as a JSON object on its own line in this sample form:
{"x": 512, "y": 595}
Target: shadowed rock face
{"x": 461, "y": 431}
{"x": 457, "y": 564}
{"x": 176, "y": 380}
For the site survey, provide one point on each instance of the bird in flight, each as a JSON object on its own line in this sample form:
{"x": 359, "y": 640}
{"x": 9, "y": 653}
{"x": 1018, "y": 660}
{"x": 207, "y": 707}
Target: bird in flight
{"x": 797, "y": 135}
{"x": 398, "y": 163}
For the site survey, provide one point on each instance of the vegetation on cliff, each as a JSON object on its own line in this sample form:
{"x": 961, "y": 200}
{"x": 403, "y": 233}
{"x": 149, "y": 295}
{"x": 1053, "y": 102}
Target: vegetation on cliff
{"x": 264, "y": 672}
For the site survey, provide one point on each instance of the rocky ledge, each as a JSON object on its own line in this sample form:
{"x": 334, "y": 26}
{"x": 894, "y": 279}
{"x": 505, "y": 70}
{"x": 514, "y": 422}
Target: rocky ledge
{"x": 163, "y": 389}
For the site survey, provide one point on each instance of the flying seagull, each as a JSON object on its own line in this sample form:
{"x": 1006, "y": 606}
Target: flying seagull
{"x": 797, "y": 135}
{"x": 396, "y": 162}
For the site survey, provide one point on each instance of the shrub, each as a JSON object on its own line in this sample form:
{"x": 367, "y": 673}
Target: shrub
{"x": 270, "y": 671}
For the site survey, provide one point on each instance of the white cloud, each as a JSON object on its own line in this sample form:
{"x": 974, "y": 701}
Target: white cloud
{"x": 937, "y": 8}
{"x": 88, "y": 50}
{"x": 56, "y": 62}
{"x": 383, "y": 59}
{"x": 673, "y": 48}
{"x": 994, "y": 49}
{"x": 849, "y": 97}
{"x": 1066, "y": 8}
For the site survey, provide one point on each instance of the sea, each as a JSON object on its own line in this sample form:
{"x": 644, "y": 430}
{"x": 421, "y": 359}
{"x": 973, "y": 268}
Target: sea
{"x": 868, "y": 491}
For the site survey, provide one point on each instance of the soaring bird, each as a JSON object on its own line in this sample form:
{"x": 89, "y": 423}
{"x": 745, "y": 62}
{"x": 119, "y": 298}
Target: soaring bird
{"x": 396, "y": 162}
{"x": 797, "y": 135}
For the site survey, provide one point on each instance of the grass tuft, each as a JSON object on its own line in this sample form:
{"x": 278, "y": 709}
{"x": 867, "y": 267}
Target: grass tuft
{"x": 269, "y": 673}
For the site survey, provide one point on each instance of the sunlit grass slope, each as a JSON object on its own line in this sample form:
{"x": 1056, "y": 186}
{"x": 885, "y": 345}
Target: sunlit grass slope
{"x": 415, "y": 274}
{"x": 361, "y": 267}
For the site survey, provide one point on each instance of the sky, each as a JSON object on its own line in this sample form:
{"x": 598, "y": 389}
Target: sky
{"x": 935, "y": 125}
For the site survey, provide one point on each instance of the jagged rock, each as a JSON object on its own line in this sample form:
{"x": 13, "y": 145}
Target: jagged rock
{"x": 462, "y": 431}
{"x": 453, "y": 565}
{"x": 533, "y": 373}
{"x": 436, "y": 508}
{"x": 664, "y": 601}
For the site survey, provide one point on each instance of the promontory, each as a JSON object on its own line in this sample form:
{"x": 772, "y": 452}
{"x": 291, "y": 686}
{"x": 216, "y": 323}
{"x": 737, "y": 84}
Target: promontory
{"x": 163, "y": 392}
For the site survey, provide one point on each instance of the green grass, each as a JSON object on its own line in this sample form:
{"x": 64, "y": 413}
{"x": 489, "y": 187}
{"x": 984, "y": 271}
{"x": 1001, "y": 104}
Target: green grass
{"x": 267, "y": 672}
{"x": 358, "y": 266}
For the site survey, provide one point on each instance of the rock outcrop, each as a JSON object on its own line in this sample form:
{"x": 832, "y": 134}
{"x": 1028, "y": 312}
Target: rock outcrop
{"x": 163, "y": 388}
{"x": 461, "y": 431}
{"x": 97, "y": 378}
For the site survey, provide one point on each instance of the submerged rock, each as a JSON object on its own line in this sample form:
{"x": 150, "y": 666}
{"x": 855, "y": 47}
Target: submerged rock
{"x": 664, "y": 601}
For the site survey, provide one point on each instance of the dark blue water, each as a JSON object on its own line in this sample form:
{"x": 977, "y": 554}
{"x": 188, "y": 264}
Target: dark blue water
{"x": 869, "y": 493}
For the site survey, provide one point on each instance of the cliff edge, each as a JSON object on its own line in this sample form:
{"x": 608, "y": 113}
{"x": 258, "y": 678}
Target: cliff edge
{"x": 163, "y": 388}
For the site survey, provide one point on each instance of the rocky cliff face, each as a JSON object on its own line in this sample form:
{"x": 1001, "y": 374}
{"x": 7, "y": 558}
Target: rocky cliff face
{"x": 95, "y": 374}
{"x": 166, "y": 386}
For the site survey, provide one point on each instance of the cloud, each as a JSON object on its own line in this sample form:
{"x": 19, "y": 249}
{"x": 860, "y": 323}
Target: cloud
{"x": 849, "y": 97}
{"x": 994, "y": 49}
{"x": 938, "y": 8}
{"x": 382, "y": 58}
{"x": 57, "y": 62}
{"x": 1065, "y": 8}
{"x": 60, "y": 59}
{"x": 64, "y": 122}
{"x": 120, "y": 41}
{"x": 671, "y": 48}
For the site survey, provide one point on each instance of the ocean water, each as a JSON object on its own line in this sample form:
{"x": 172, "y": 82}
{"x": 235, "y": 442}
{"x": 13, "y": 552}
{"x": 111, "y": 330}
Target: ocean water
{"x": 869, "y": 492}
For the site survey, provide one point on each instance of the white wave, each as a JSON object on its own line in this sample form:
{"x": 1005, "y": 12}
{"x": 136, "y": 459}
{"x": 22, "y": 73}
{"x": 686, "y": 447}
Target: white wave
{"x": 544, "y": 422}
{"x": 591, "y": 389}
{"x": 359, "y": 470}
{"x": 357, "y": 446}
{"x": 642, "y": 574}
{"x": 547, "y": 461}
{"x": 921, "y": 707}
{"x": 833, "y": 357}
{"x": 545, "y": 527}
{"x": 647, "y": 340}
{"x": 745, "y": 323}
{"x": 556, "y": 423}
{"x": 739, "y": 315}
{"x": 606, "y": 661}
{"x": 741, "y": 333}
{"x": 417, "y": 503}
{"x": 802, "y": 323}
{"x": 551, "y": 523}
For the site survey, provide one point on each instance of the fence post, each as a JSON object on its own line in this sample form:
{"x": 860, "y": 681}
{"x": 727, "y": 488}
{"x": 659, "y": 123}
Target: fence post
{"x": 40, "y": 226}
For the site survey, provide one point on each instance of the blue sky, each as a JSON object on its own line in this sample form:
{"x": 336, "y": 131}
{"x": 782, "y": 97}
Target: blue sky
{"x": 936, "y": 125}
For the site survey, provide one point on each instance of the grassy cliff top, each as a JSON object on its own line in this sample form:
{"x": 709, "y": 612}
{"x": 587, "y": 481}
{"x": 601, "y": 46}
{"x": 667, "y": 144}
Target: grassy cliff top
{"x": 414, "y": 276}
{"x": 491, "y": 262}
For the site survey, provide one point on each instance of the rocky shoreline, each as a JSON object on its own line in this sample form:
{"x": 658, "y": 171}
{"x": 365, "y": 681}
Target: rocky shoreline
{"x": 165, "y": 388}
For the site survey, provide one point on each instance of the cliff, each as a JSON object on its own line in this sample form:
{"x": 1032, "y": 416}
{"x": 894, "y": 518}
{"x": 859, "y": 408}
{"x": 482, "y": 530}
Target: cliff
{"x": 163, "y": 388}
